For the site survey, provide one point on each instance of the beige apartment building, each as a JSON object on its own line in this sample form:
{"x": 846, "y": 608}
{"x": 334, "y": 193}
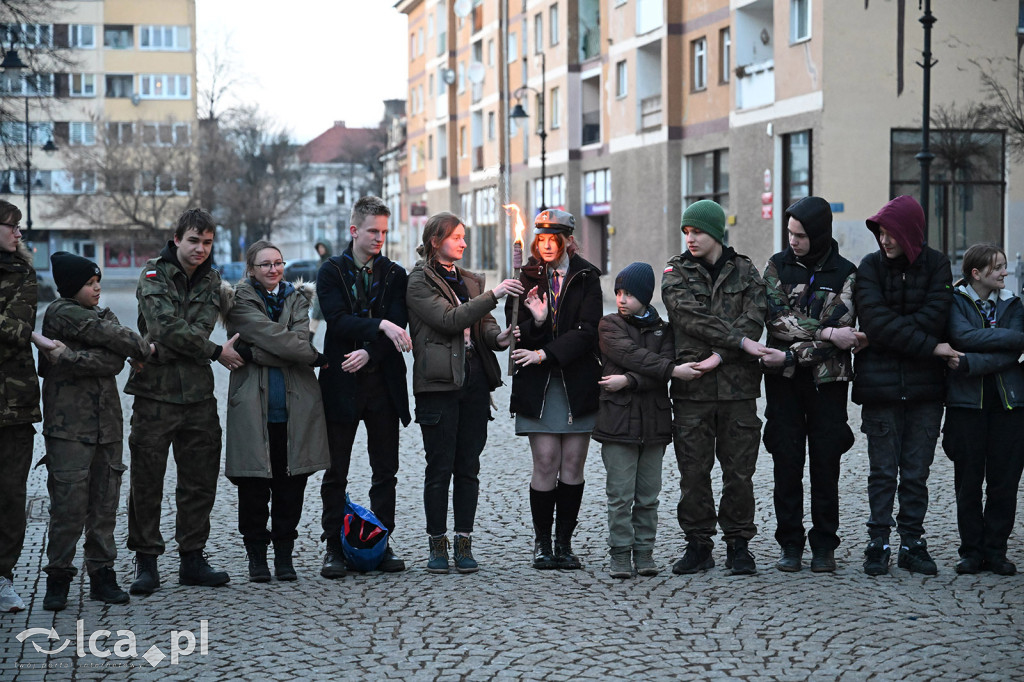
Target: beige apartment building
{"x": 127, "y": 76}
{"x": 652, "y": 104}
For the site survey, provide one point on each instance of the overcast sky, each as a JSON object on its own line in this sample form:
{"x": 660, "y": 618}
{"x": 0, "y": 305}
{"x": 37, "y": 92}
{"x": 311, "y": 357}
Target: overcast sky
{"x": 309, "y": 63}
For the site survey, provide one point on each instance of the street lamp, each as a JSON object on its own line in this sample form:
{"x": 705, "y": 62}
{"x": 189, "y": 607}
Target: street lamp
{"x": 13, "y": 65}
{"x": 519, "y": 112}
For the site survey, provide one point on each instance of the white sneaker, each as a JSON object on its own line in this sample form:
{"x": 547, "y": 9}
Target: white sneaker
{"x": 9, "y": 599}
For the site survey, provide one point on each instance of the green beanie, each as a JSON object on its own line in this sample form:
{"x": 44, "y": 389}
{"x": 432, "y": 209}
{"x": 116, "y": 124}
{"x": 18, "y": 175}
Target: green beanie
{"x": 706, "y": 216}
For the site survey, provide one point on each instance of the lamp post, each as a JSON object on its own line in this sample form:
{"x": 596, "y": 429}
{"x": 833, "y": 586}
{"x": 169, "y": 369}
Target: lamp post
{"x": 13, "y": 64}
{"x": 519, "y": 112}
{"x": 924, "y": 157}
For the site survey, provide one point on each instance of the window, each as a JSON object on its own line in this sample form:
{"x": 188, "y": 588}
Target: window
{"x": 117, "y": 37}
{"x": 724, "y": 62}
{"x": 442, "y": 28}
{"x": 82, "y": 36}
{"x": 164, "y": 38}
{"x": 597, "y": 187}
{"x": 165, "y": 86}
{"x": 321, "y": 196}
{"x": 491, "y": 128}
{"x": 461, "y": 77}
{"x": 556, "y": 108}
{"x": 14, "y": 132}
{"x": 490, "y": 52}
{"x": 26, "y": 35}
{"x": 430, "y": 147}
{"x": 166, "y": 134}
{"x": 463, "y": 144}
{"x": 553, "y": 190}
{"x": 513, "y": 47}
{"x": 553, "y": 23}
{"x": 797, "y": 180}
{"x": 538, "y": 33}
{"x": 82, "y": 133}
{"x": 621, "y": 82}
{"x": 699, "y": 59}
{"x": 430, "y": 26}
{"x": 28, "y": 85}
{"x": 419, "y": 42}
{"x": 83, "y": 85}
{"x": 120, "y": 132}
{"x": 968, "y": 184}
{"x": 118, "y": 86}
{"x": 707, "y": 177}
{"x": 799, "y": 21}
{"x": 84, "y": 182}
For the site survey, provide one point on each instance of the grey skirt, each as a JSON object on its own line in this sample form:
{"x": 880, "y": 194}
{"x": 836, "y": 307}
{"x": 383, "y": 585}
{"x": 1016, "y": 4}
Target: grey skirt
{"x": 555, "y": 416}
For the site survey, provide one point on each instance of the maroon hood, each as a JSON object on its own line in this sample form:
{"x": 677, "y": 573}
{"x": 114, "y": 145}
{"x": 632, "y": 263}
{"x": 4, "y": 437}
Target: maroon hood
{"x": 903, "y": 218}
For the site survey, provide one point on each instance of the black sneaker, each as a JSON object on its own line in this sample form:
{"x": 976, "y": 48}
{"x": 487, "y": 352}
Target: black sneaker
{"x": 791, "y": 559}
{"x": 1000, "y": 565}
{"x": 876, "y": 557}
{"x": 739, "y": 559}
{"x": 697, "y": 557}
{"x": 823, "y": 560}
{"x": 914, "y": 557}
{"x": 391, "y": 563}
{"x": 969, "y": 564}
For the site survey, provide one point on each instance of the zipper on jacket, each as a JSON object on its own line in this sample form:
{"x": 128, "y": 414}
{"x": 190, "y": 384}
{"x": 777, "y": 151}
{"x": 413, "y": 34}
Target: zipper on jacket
{"x": 566, "y": 389}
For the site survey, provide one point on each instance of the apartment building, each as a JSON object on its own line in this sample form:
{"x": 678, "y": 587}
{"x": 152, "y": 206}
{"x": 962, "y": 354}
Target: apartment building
{"x": 652, "y": 104}
{"x": 126, "y": 79}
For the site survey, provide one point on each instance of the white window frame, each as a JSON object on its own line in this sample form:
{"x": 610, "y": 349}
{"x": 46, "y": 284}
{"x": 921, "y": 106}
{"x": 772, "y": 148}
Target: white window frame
{"x": 799, "y": 12}
{"x": 40, "y": 79}
{"x": 556, "y": 108}
{"x": 538, "y": 33}
{"x": 85, "y": 86}
{"x": 553, "y": 27}
{"x": 23, "y": 30}
{"x": 161, "y": 85}
{"x": 513, "y": 47}
{"x": 699, "y": 52}
{"x": 81, "y": 133}
{"x": 76, "y": 36}
{"x": 14, "y": 132}
{"x": 725, "y": 54}
{"x": 180, "y": 38}
{"x": 621, "y": 79}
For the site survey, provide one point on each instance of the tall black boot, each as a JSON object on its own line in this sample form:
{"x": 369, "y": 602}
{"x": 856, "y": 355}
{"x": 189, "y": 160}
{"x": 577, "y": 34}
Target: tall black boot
{"x": 542, "y": 507}
{"x": 569, "y": 498}
{"x": 256, "y": 552}
{"x": 283, "y": 568}
{"x": 147, "y": 579}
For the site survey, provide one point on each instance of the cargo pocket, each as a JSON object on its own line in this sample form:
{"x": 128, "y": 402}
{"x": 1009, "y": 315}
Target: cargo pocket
{"x": 112, "y": 489}
{"x": 69, "y": 491}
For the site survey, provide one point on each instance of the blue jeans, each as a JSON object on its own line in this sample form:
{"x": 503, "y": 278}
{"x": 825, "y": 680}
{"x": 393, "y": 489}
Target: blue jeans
{"x": 901, "y": 447}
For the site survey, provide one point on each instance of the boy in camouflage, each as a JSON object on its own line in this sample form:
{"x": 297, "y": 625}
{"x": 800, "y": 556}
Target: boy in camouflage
{"x": 179, "y": 302}
{"x": 83, "y": 428}
{"x": 716, "y": 304}
{"x": 19, "y": 393}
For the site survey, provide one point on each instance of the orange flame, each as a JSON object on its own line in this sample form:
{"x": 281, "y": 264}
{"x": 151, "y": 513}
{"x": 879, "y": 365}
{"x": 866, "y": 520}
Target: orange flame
{"x": 518, "y": 244}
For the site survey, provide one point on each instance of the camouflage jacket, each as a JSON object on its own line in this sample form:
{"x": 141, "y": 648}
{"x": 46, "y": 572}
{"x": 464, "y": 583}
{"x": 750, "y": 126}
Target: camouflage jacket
{"x": 19, "y": 385}
{"x": 802, "y": 303}
{"x": 80, "y": 397}
{"x": 177, "y": 313}
{"x": 713, "y": 317}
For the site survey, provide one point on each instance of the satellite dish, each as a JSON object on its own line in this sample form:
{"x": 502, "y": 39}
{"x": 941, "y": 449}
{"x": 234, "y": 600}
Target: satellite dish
{"x": 463, "y": 8}
{"x": 448, "y": 75}
{"x": 476, "y": 73}
{"x": 136, "y": 99}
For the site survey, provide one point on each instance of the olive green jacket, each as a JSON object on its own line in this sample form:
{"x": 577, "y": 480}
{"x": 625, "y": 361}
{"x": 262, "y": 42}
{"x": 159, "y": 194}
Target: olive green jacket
{"x": 19, "y": 385}
{"x": 80, "y": 397}
{"x": 177, "y": 314}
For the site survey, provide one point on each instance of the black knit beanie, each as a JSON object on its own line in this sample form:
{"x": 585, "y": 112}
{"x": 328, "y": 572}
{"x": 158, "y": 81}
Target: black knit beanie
{"x": 637, "y": 279}
{"x": 71, "y": 272}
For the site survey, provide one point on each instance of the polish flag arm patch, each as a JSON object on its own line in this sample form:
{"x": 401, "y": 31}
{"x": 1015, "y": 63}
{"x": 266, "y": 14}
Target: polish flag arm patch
{"x": 150, "y": 274}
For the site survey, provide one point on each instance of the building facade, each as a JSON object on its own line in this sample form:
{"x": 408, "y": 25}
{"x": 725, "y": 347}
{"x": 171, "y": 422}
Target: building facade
{"x": 119, "y": 102}
{"x": 652, "y": 104}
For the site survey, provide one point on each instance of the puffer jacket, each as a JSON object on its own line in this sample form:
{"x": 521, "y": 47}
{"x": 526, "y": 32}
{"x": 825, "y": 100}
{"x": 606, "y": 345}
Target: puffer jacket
{"x": 80, "y": 397}
{"x": 802, "y": 303}
{"x": 714, "y": 317}
{"x": 437, "y": 321}
{"x": 568, "y": 339}
{"x": 988, "y": 351}
{"x": 19, "y": 385}
{"x": 286, "y": 345}
{"x": 642, "y": 350}
{"x": 177, "y": 313}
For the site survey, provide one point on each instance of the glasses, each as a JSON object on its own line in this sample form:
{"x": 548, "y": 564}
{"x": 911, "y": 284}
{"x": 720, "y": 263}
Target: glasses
{"x": 14, "y": 228}
{"x": 279, "y": 264}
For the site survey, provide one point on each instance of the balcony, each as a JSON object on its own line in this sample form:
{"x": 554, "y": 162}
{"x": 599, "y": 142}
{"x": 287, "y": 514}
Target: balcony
{"x": 478, "y": 158}
{"x": 650, "y": 112}
{"x": 442, "y": 168}
{"x": 591, "y": 127}
{"x": 755, "y": 84}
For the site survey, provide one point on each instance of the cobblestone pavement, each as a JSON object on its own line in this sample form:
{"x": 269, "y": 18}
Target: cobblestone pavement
{"x": 509, "y": 621}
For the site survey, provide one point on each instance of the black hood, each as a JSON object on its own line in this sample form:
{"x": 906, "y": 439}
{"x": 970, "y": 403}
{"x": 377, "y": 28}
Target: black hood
{"x": 815, "y": 214}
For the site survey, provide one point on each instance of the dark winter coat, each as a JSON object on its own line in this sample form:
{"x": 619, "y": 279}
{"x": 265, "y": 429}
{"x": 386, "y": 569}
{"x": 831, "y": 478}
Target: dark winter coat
{"x": 568, "y": 339}
{"x": 347, "y": 332}
{"x": 19, "y": 385}
{"x": 641, "y": 349}
{"x": 988, "y": 351}
{"x": 903, "y": 306}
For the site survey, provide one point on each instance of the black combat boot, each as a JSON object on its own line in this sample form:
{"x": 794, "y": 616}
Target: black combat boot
{"x": 256, "y": 552}
{"x": 334, "y": 560}
{"x": 103, "y": 587}
{"x": 569, "y": 499}
{"x": 283, "y": 568}
{"x": 195, "y": 570}
{"x": 56, "y": 598}
{"x": 542, "y": 508}
{"x": 147, "y": 580}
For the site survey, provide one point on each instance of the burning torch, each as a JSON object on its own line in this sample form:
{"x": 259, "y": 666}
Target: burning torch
{"x": 517, "y": 263}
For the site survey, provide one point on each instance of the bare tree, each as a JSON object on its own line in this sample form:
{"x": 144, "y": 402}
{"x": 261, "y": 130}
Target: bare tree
{"x": 1006, "y": 103}
{"x": 219, "y": 74}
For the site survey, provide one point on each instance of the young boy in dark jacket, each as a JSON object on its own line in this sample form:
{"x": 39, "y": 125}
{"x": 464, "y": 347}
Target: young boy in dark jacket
{"x": 83, "y": 428}
{"x": 634, "y": 417}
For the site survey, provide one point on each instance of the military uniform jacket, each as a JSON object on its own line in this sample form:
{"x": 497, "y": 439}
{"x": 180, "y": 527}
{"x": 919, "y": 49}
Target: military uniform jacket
{"x": 709, "y": 317}
{"x": 80, "y": 397}
{"x": 802, "y": 303}
{"x": 177, "y": 313}
{"x": 19, "y": 386}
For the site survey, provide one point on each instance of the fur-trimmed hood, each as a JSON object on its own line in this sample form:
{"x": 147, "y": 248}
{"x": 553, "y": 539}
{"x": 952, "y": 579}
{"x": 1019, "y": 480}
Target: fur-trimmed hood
{"x": 227, "y": 293}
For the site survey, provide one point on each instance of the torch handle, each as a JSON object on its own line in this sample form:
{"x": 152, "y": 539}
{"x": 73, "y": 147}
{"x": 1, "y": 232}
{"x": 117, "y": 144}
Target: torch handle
{"x": 515, "y": 321}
